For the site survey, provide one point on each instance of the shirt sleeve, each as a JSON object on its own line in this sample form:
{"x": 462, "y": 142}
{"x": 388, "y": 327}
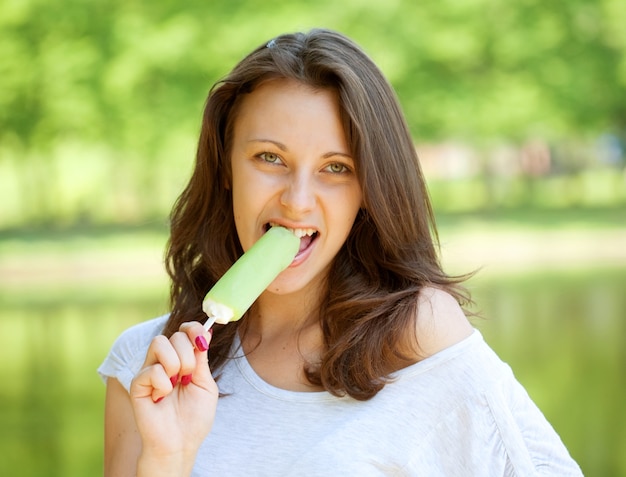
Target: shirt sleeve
{"x": 530, "y": 440}
{"x": 129, "y": 351}
{"x": 489, "y": 425}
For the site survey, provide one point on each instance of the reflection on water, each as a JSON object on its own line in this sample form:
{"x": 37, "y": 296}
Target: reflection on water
{"x": 564, "y": 337}
{"x": 562, "y": 334}
{"x": 51, "y": 399}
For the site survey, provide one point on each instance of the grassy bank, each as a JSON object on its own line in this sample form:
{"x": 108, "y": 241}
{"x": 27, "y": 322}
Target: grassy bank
{"x": 42, "y": 264}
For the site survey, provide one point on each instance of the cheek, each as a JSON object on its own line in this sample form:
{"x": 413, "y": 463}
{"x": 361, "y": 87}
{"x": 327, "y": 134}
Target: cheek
{"x": 344, "y": 211}
{"x": 354, "y": 203}
{"x": 241, "y": 204}
{"x": 243, "y": 189}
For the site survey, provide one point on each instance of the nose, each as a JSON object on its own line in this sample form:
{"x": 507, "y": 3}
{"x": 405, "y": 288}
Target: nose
{"x": 298, "y": 196}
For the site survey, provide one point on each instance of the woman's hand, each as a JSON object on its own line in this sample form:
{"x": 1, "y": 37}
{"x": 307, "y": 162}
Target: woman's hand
{"x": 174, "y": 398}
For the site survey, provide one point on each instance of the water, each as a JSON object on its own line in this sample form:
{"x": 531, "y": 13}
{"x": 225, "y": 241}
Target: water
{"x": 563, "y": 334}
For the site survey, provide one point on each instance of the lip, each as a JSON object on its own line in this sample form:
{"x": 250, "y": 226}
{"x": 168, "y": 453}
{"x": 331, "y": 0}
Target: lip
{"x": 304, "y": 254}
{"x": 291, "y": 225}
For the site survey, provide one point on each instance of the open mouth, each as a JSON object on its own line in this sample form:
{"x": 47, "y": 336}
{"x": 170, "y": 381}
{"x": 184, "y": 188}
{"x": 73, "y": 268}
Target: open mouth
{"x": 306, "y": 236}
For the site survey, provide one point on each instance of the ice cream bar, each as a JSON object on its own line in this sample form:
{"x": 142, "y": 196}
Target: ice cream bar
{"x": 249, "y": 276}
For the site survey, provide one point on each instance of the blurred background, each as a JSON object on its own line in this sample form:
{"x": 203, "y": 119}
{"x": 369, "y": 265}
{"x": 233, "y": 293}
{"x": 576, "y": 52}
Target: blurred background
{"x": 518, "y": 110}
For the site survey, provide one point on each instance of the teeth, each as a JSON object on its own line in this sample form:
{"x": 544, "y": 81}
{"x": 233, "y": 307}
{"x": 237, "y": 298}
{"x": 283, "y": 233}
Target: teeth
{"x": 297, "y": 232}
{"x": 302, "y": 232}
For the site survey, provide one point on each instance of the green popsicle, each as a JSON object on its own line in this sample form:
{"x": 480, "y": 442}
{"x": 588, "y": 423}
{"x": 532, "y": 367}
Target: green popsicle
{"x": 249, "y": 276}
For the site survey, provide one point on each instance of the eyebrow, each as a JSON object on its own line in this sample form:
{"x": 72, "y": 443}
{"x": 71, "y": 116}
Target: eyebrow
{"x": 279, "y": 145}
{"x": 284, "y": 148}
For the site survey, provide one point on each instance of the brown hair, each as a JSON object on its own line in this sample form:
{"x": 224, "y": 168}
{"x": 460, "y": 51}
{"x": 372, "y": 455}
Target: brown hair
{"x": 391, "y": 253}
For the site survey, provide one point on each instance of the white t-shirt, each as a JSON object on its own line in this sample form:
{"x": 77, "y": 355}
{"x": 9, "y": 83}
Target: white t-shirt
{"x": 460, "y": 413}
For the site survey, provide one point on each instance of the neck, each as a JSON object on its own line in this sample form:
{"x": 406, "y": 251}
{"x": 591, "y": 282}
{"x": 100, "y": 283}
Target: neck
{"x": 282, "y": 336}
{"x": 282, "y": 314}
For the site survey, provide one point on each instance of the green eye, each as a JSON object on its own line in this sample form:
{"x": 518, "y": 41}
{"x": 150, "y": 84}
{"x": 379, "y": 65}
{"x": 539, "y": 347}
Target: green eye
{"x": 269, "y": 157}
{"x": 337, "y": 168}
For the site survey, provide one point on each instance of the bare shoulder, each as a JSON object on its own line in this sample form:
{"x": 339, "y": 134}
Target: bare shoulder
{"x": 440, "y": 322}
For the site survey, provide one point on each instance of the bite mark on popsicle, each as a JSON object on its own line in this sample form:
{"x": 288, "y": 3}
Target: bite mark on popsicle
{"x": 249, "y": 276}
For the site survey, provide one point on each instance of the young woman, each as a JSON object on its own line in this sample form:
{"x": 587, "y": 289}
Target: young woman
{"x": 358, "y": 359}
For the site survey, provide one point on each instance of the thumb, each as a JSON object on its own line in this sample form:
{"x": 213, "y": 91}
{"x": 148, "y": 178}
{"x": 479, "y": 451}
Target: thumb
{"x": 201, "y": 375}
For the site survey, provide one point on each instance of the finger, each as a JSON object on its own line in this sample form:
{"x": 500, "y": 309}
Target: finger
{"x": 162, "y": 352}
{"x": 197, "y": 334}
{"x": 201, "y": 338}
{"x": 151, "y": 381}
{"x": 185, "y": 350}
{"x": 202, "y": 373}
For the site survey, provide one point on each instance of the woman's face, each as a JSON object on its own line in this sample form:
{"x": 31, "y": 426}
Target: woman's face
{"x": 291, "y": 166}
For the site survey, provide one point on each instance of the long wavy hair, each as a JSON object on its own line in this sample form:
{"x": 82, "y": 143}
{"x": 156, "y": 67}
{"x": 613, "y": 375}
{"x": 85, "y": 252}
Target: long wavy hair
{"x": 369, "y": 307}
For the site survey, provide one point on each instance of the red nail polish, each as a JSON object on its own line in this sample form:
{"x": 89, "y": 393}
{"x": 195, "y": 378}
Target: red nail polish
{"x": 159, "y": 399}
{"x": 185, "y": 380}
{"x": 174, "y": 380}
{"x": 201, "y": 343}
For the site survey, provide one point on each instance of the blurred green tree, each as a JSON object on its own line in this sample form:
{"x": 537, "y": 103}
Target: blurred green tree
{"x": 100, "y": 100}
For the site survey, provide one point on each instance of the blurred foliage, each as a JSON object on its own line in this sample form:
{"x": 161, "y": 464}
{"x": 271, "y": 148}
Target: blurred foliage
{"x": 100, "y": 100}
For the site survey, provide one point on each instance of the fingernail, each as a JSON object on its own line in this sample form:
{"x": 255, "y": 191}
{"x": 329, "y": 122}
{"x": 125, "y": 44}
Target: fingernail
{"x": 201, "y": 343}
{"x": 174, "y": 380}
{"x": 185, "y": 380}
{"x": 159, "y": 399}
